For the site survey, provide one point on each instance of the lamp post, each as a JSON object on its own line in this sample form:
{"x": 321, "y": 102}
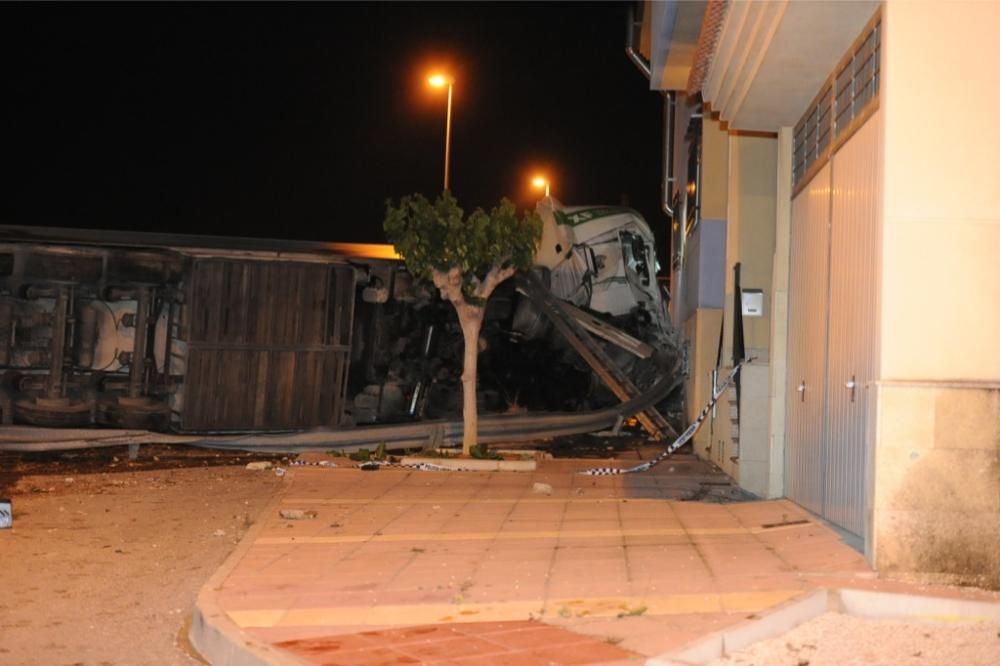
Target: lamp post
{"x": 541, "y": 182}
{"x": 440, "y": 81}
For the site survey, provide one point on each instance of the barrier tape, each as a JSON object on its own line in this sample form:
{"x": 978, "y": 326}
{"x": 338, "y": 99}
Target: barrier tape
{"x": 370, "y": 465}
{"x": 425, "y": 467}
{"x": 683, "y": 439}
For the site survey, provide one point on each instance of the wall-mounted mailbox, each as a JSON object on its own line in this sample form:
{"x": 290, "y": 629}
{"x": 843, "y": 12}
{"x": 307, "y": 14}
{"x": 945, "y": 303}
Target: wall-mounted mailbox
{"x": 753, "y": 302}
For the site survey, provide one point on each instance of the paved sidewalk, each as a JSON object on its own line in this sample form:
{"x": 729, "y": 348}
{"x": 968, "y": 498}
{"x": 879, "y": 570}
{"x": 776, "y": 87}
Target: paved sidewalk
{"x": 398, "y": 566}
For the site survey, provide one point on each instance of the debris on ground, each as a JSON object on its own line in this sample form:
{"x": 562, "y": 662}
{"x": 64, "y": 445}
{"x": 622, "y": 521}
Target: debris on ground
{"x": 318, "y": 458}
{"x": 833, "y": 639}
{"x": 541, "y": 489}
{"x": 297, "y": 514}
{"x": 258, "y": 465}
{"x": 127, "y": 556}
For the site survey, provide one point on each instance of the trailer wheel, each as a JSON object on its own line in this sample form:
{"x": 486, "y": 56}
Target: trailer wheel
{"x": 140, "y": 413}
{"x": 53, "y": 412}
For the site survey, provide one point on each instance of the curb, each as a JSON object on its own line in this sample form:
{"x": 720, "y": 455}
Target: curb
{"x": 849, "y": 601}
{"x": 217, "y": 638}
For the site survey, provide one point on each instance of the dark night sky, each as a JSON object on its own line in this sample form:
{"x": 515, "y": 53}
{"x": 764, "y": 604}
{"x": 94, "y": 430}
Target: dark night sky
{"x": 299, "y": 120}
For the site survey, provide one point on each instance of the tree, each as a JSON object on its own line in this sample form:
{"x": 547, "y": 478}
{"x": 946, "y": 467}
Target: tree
{"x": 466, "y": 258}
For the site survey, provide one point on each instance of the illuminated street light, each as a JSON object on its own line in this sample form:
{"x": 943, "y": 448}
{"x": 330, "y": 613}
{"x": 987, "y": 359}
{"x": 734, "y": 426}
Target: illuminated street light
{"x": 541, "y": 182}
{"x": 440, "y": 81}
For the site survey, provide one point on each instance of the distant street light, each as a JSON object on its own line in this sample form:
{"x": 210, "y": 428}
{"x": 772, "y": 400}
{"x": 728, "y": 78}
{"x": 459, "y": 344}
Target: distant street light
{"x": 440, "y": 81}
{"x": 541, "y": 182}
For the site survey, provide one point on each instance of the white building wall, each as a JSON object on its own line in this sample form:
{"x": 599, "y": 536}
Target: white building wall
{"x": 941, "y": 102}
{"x": 936, "y": 433}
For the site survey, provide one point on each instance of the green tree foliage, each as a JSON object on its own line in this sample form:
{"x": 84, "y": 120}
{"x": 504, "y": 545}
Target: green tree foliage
{"x": 438, "y": 237}
{"x": 466, "y": 258}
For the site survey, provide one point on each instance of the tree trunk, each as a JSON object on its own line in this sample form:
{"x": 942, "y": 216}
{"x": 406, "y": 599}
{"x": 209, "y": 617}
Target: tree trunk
{"x": 471, "y": 320}
{"x": 470, "y": 317}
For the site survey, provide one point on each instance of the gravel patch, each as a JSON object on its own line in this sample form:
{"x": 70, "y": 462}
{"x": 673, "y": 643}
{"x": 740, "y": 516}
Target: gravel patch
{"x": 835, "y": 639}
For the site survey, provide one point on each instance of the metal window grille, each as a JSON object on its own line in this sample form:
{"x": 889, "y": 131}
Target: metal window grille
{"x": 846, "y": 94}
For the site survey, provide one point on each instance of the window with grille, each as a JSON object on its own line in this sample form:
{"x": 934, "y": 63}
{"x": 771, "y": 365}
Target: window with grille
{"x": 847, "y": 94}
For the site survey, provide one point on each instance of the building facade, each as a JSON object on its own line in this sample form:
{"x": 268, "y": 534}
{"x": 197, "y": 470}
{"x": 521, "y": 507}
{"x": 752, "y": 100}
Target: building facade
{"x": 836, "y": 217}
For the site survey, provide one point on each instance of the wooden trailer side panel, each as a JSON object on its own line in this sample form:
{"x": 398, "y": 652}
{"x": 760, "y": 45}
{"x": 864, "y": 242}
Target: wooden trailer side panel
{"x": 266, "y": 345}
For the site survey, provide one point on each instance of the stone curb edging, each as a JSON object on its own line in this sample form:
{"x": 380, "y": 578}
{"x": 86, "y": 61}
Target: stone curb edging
{"x": 213, "y": 634}
{"x": 849, "y": 601}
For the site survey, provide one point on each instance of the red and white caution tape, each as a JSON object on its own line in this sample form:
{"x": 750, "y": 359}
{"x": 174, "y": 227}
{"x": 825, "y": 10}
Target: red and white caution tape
{"x": 683, "y": 439}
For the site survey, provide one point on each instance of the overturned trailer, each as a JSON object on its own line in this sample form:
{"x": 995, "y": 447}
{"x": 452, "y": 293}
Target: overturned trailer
{"x": 211, "y": 335}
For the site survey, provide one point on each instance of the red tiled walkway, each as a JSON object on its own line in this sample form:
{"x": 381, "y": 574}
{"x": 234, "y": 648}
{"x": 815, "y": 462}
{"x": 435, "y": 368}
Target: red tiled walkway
{"x": 480, "y": 643}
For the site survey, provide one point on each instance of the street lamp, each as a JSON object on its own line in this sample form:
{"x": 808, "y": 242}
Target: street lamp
{"x": 541, "y": 182}
{"x": 440, "y": 81}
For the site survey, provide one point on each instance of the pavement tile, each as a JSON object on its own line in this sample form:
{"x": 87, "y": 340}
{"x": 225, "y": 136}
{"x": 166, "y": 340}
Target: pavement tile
{"x": 735, "y": 537}
{"x": 581, "y": 539}
{"x": 404, "y": 635}
{"x": 754, "y": 582}
{"x": 270, "y": 584}
{"x": 414, "y": 577}
{"x": 543, "y": 528}
{"x": 663, "y": 641}
{"x": 377, "y": 656}
{"x": 504, "y": 659}
{"x": 492, "y": 572}
{"x": 579, "y": 524}
{"x": 598, "y": 512}
{"x": 663, "y": 539}
{"x": 536, "y": 513}
{"x": 574, "y": 587}
{"x": 774, "y": 512}
{"x": 697, "y": 515}
{"x": 238, "y": 601}
{"x": 436, "y": 550}
{"x": 589, "y": 553}
{"x": 471, "y": 525}
{"x": 672, "y": 581}
{"x": 661, "y": 552}
{"x": 326, "y": 643}
{"x": 343, "y": 571}
{"x": 658, "y": 513}
{"x": 526, "y": 591}
{"x": 442, "y": 649}
{"x": 278, "y": 634}
{"x": 596, "y": 563}
{"x": 529, "y": 638}
{"x": 520, "y": 551}
{"x": 419, "y": 525}
{"x": 479, "y": 628}
{"x": 514, "y": 583}
{"x": 654, "y": 588}
{"x": 417, "y": 596}
{"x": 693, "y": 572}
{"x": 583, "y": 652}
{"x": 322, "y": 598}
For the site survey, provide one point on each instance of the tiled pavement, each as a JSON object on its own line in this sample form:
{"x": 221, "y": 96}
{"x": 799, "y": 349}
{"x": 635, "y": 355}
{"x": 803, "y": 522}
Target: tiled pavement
{"x": 525, "y": 643}
{"x": 462, "y": 567}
